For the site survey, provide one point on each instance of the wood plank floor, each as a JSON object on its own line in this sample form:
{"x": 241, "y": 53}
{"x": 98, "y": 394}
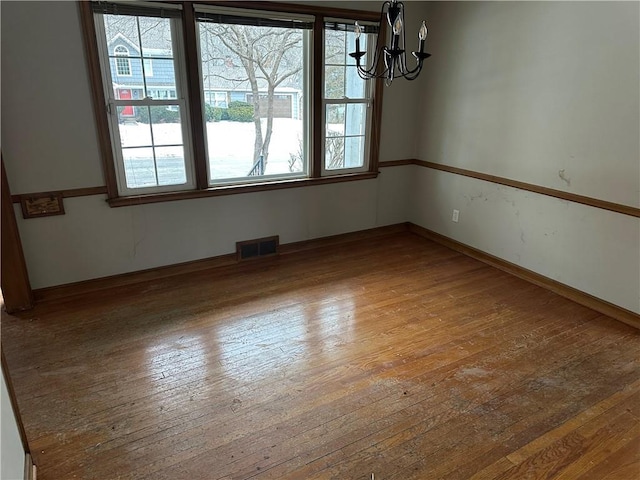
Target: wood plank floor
{"x": 395, "y": 356}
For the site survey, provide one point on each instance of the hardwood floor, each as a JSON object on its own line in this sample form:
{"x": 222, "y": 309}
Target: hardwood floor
{"x": 396, "y": 357}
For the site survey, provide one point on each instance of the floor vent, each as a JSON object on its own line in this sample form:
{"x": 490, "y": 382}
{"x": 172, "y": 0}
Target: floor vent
{"x": 261, "y": 247}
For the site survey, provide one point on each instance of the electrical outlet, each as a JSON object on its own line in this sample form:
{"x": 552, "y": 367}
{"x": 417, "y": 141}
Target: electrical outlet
{"x": 456, "y": 214}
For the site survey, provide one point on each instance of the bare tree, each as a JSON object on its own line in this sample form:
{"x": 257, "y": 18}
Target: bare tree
{"x": 333, "y": 152}
{"x": 152, "y": 32}
{"x": 269, "y": 56}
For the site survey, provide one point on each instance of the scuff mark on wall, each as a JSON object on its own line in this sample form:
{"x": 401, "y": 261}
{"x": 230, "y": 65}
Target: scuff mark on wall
{"x": 471, "y": 198}
{"x": 564, "y": 178}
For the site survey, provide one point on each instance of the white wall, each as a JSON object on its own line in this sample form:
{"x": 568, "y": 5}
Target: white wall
{"x": 48, "y": 133}
{"x": 525, "y": 90}
{"x": 545, "y": 93}
{"x": 12, "y": 455}
{"x": 93, "y": 240}
{"x": 49, "y": 143}
{"x": 587, "y": 248}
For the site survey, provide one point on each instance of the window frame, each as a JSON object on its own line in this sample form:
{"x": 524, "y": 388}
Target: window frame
{"x": 366, "y": 100}
{"x": 326, "y": 171}
{"x": 147, "y": 101}
{"x": 307, "y": 42}
{"x": 195, "y": 107}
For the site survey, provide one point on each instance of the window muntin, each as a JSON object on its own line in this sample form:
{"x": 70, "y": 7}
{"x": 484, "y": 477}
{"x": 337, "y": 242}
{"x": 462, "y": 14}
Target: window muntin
{"x": 255, "y": 101}
{"x": 347, "y": 101}
{"x": 148, "y": 114}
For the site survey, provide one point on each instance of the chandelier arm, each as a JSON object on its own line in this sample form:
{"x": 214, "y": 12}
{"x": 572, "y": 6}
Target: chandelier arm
{"x": 402, "y": 64}
{"x": 374, "y": 65}
{"x": 413, "y": 74}
{"x": 368, "y": 74}
{"x": 372, "y": 72}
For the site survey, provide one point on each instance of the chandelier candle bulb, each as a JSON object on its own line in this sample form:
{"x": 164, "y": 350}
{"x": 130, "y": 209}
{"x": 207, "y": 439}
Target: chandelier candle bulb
{"x": 422, "y": 35}
{"x": 397, "y": 26}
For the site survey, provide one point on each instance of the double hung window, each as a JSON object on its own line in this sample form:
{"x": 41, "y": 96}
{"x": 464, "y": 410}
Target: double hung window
{"x": 149, "y": 127}
{"x": 267, "y": 97}
{"x": 347, "y": 100}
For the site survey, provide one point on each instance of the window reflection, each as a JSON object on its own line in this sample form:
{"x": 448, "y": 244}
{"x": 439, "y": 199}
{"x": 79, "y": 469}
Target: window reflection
{"x": 176, "y": 361}
{"x": 265, "y": 345}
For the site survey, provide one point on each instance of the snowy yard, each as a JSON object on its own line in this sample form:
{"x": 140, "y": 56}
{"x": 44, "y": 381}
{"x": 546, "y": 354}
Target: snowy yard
{"x": 230, "y": 150}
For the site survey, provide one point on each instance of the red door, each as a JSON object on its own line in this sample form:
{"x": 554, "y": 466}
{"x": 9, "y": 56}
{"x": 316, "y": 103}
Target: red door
{"x": 125, "y": 94}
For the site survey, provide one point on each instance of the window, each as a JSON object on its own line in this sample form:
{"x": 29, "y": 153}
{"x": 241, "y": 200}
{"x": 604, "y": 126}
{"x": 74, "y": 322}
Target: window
{"x": 149, "y": 135}
{"x": 248, "y": 111}
{"x": 216, "y": 99}
{"x": 147, "y": 64}
{"x": 263, "y": 138}
{"x": 347, "y": 100}
{"x": 161, "y": 93}
{"x": 123, "y": 65}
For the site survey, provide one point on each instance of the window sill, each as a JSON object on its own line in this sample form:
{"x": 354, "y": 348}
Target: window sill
{"x": 236, "y": 189}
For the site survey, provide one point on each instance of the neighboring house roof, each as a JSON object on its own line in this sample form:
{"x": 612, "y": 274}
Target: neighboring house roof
{"x": 225, "y": 77}
{"x": 119, "y": 39}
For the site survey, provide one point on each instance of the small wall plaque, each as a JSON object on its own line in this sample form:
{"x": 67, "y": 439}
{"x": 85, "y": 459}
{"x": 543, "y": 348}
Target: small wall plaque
{"x": 41, "y": 205}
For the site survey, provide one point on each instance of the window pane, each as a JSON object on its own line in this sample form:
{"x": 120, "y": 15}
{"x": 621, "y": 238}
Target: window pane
{"x": 334, "y": 81}
{"x": 335, "y": 118}
{"x": 155, "y": 36}
{"x": 353, "y": 152}
{"x": 253, "y": 130}
{"x": 170, "y": 164}
{"x": 344, "y": 152}
{"x": 334, "y": 151}
{"x": 166, "y": 125}
{"x": 133, "y": 133}
{"x": 164, "y": 75}
{"x": 121, "y": 30}
{"x": 139, "y": 167}
{"x": 355, "y": 87}
{"x": 356, "y": 118}
{"x": 334, "y": 47}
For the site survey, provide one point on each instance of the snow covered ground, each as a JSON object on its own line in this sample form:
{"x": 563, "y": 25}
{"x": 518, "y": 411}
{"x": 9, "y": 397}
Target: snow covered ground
{"x": 230, "y": 150}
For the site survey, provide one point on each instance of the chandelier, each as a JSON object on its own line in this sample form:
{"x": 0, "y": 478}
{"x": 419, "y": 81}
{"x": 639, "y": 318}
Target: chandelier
{"x": 393, "y": 55}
